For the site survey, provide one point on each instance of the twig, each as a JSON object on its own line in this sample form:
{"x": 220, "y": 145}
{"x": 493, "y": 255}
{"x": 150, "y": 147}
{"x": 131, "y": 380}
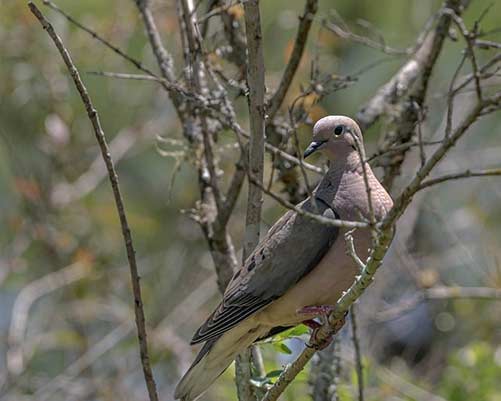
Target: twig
{"x": 120, "y": 75}
{"x": 306, "y": 20}
{"x": 323, "y": 220}
{"x": 101, "y": 139}
{"x": 99, "y": 38}
{"x": 457, "y": 176}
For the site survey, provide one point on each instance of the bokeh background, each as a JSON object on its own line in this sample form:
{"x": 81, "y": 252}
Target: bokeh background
{"x": 66, "y": 318}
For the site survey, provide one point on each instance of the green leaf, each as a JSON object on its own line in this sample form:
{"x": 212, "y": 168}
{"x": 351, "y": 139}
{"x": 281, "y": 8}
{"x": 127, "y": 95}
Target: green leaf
{"x": 274, "y": 373}
{"x": 282, "y": 348}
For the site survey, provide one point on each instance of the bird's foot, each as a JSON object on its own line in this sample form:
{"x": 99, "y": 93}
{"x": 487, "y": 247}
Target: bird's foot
{"x": 315, "y": 310}
{"x": 317, "y": 343}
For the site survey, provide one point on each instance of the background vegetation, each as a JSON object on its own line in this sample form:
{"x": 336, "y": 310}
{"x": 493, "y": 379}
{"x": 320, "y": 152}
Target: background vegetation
{"x": 66, "y": 318}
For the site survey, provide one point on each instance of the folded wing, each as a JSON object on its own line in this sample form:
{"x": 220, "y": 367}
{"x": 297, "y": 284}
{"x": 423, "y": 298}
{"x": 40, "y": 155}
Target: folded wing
{"x": 290, "y": 250}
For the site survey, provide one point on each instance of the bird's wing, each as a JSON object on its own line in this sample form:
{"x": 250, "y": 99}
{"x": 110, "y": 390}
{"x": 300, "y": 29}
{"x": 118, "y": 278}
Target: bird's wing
{"x": 290, "y": 250}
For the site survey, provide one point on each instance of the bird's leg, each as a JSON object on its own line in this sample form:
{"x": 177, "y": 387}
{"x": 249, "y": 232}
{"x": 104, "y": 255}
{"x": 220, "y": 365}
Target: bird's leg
{"x": 323, "y": 312}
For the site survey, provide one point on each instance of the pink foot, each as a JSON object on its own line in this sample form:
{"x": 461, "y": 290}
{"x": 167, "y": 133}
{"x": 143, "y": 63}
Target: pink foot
{"x": 316, "y": 310}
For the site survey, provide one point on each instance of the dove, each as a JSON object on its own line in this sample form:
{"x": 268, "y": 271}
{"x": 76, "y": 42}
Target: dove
{"x": 300, "y": 268}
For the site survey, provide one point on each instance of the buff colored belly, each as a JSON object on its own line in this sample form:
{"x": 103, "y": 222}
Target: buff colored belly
{"x": 322, "y": 286}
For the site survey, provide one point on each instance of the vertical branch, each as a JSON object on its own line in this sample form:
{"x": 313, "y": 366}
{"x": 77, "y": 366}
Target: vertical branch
{"x": 358, "y": 354}
{"x": 131, "y": 255}
{"x": 255, "y": 162}
{"x": 325, "y": 372}
{"x": 255, "y": 83}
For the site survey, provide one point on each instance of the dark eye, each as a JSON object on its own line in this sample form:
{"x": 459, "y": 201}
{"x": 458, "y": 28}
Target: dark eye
{"x": 339, "y": 130}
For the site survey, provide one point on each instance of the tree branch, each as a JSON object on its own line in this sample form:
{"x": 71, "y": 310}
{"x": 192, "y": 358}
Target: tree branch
{"x": 254, "y": 165}
{"x": 305, "y": 22}
{"x": 101, "y": 139}
{"x": 457, "y": 176}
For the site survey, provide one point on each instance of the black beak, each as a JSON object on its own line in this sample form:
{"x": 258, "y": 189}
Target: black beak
{"x": 314, "y": 146}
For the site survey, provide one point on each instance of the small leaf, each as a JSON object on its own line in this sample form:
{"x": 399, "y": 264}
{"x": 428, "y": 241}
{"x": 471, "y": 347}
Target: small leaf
{"x": 274, "y": 373}
{"x": 282, "y": 348}
{"x": 298, "y": 331}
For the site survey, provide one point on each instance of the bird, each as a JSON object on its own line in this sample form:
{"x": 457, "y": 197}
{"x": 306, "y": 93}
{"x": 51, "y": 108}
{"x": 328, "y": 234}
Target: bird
{"x": 300, "y": 268}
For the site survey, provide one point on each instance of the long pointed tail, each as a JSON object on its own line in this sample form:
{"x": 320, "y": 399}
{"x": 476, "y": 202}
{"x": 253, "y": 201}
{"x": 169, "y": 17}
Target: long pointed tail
{"x": 213, "y": 359}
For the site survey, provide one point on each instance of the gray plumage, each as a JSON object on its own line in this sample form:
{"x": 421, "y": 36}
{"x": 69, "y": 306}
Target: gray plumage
{"x": 300, "y": 262}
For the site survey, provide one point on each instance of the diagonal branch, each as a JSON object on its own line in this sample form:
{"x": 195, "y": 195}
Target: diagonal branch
{"x": 306, "y": 20}
{"x": 457, "y": 176}
{"x": 101, "y": 139}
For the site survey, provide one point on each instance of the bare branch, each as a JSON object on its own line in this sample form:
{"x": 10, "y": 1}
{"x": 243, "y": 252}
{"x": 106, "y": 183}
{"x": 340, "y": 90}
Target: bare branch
{"x": 99, "y": 38}
{"x": 457, "y": 176}
{"x": 101, "y": 139}
{"x": 254, "y": 164}
{"x": 305, "y": 22}
{"x": 418, "y": 67}
{"x": 302, "y": 212}
{"x": 255, "y": 81}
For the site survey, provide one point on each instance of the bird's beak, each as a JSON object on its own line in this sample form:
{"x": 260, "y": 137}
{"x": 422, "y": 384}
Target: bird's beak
{"x": 314, "y": 146}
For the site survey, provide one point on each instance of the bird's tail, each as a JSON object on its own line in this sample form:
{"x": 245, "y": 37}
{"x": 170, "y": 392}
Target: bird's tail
{"x": 213, "y": 359}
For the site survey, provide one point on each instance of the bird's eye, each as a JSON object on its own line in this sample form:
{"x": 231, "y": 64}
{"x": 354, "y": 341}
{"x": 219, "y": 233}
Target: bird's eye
{"x": 339, "y": 130}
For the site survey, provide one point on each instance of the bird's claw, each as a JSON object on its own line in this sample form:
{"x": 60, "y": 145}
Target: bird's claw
{"x": 316, "y": 343}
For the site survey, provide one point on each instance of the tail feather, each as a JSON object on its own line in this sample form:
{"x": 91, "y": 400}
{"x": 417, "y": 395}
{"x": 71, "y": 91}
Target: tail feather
{"x": 213, "y": 359}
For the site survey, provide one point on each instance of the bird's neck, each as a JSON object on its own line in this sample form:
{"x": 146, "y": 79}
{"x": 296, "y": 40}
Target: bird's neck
{"x": 347, "y": 162}
{"x": 337, "y": 186}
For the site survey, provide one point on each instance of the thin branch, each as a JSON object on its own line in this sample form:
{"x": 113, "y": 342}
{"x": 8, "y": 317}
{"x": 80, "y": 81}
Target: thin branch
{"x": 164, "y": 59}
{"x": 99, "y": 38}
{"x": 101, "y": 139}
{"x": 323, "y": 220}
{"x": 457, "y": 176}
{"x": 119, "y": 75}
{"x": 306, "y": 20}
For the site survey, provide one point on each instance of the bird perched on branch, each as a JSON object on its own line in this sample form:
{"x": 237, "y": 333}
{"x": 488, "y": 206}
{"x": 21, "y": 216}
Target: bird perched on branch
{"x": 301, "y": 267}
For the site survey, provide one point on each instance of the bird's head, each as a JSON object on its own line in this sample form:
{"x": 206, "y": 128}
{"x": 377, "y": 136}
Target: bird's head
{"x": 336, "y": 136}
